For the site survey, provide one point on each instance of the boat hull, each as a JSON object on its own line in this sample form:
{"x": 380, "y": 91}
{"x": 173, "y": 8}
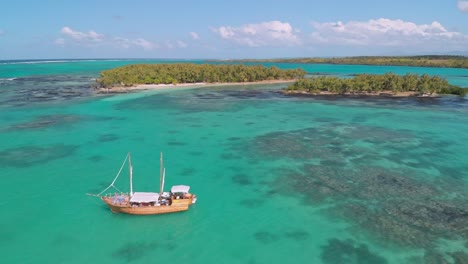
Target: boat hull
{"x": 126, "y": 208}
{"x": 189, "y": 199}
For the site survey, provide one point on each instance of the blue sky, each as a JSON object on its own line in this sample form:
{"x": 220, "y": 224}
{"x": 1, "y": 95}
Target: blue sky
{"x": 231, "y": 29}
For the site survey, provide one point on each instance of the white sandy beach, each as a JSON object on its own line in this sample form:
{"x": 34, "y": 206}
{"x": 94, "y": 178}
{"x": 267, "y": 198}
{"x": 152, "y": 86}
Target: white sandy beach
{"x": 144, "y": 87}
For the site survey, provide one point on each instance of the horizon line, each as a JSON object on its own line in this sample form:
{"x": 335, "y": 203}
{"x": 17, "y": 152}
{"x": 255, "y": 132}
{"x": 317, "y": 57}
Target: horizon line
{"x": 234, "y": 59}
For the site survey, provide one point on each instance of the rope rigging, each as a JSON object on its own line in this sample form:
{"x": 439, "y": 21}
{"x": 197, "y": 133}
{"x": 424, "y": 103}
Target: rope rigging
{"x": 115, "y": 179}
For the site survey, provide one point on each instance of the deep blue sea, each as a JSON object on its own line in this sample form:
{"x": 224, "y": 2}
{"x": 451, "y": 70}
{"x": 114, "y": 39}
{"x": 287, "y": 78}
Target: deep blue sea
{"x": 280, "y": 179}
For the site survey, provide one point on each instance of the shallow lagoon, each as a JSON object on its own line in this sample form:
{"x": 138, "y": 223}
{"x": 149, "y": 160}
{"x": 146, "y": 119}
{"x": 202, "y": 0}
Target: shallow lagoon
{"x": 279, "y": 179}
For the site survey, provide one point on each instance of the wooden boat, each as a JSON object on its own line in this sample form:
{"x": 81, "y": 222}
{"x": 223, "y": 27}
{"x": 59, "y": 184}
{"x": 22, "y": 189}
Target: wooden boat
{"x": 148, "y": 203}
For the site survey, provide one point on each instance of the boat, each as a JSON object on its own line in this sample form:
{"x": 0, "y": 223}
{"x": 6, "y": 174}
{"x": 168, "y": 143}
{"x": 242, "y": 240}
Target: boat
{"x": 147, "y": 203}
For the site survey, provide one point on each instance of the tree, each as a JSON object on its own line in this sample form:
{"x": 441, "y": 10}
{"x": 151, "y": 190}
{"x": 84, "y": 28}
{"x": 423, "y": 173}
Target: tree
{"x": 424, "y": 84}
{"x": 367, "y": 83}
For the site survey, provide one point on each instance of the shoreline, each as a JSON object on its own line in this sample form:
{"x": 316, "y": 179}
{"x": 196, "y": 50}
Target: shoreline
{"x": 145, "y": 87}
{"x": 162, "y": 87}
{"x": 363, "y": 94}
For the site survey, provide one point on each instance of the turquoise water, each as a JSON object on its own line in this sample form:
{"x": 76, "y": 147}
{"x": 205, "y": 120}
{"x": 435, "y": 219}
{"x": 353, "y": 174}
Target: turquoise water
{"x": 279, "y": 179}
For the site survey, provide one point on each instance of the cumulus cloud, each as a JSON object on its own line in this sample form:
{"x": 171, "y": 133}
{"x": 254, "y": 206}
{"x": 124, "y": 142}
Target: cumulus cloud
{"x": 194, "y": 35}
{"x": 386, "y": 32}
{"x": 145, "y": 44}
{"x": 128, "y": 43}
{"x": 91, "y": 36}
{"x": 463, "y": 5}
{"x": 181, "y": 44}
{"x": 60, "y": 41}
{"x": 169, "y": 45}
{"x": 272, "y": 33}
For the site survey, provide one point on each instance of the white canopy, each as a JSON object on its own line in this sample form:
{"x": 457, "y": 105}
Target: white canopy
{"x": 144, "y": 197}
{"x": 180, "y": 189}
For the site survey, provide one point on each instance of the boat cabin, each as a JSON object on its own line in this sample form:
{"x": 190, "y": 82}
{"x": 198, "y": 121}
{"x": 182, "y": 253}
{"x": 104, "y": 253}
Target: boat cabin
{"x": 180, "y": 191}
{"x": 148, "y": 199}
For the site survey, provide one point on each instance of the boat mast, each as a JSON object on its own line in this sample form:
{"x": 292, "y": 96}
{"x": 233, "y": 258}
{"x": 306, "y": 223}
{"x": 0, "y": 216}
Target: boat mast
{"x": 161, "y": 175}
{"x": 131, "y": 173}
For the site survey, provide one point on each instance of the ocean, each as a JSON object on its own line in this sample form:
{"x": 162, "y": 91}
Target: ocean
{"x": 279, "y": 179}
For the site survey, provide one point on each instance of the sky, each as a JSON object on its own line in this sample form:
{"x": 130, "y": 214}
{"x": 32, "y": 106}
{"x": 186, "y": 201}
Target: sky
{"x": 239, "y": 29}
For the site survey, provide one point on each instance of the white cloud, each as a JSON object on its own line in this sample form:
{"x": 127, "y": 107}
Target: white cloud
{"x": 386, "y": 32}
{"x": 60, "y": 42}
{"x": 122, "y": 42}
{"x": 91, "y": 36}
{"x": 145, "y": 44}
{"x": 128, "y": 43}
{"x": 182, "y": 44}
{"x": 169, "y": 45}
{"x": 194, "y": 35}
{"x": 272, "y": 33}
{"x": 463, "y": 5}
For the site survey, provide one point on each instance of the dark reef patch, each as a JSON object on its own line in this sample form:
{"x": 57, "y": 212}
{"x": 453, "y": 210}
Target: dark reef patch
{"x": 176, "y": 143}
{"x": 230, "y": 156}
{"x": 373, "y": 177}
{"x": 42, "y": 122}
{"x": 198, "y": 101}
{"x": 46, "y": 88}
{"x": 297, "y": 235}
{"x": 210, "y": 96}
{"x": 249, "y": 92}
{"x": 241, "y": 179}
{"x": 325, "y": 119}
{"x": 336, "y": 162}
{"x": 396, "y": 207}
{"x": 96, "y": 158}
{"x": 133, "y": 251}
{"x": 436, "y": 257}
{"x": 108, "y": 138}
{"x": 30, "y": 155}
{"x": 252, "y": 203}
{"x": 188, "y": 172}
{"x": 359, "y": 119}
{"x": 215, "y": 99}
{"x": 265, "y": 237}
{"x": 348, "y": 251}
{"x": 459, "y": 257}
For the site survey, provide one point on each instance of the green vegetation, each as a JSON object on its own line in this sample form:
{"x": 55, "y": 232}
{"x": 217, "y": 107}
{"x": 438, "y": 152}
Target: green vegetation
{"x": 192, "y": 73}
{"x": 421, "y": 61}
{"x": 375, "y": 84}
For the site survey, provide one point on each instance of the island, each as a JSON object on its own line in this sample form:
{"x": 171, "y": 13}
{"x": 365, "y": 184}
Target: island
{"x": 153, "y": 76}
{"x": 140, "y": 76}
{"x": 443, "y": 61}
{"x": 388, "y": 84}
